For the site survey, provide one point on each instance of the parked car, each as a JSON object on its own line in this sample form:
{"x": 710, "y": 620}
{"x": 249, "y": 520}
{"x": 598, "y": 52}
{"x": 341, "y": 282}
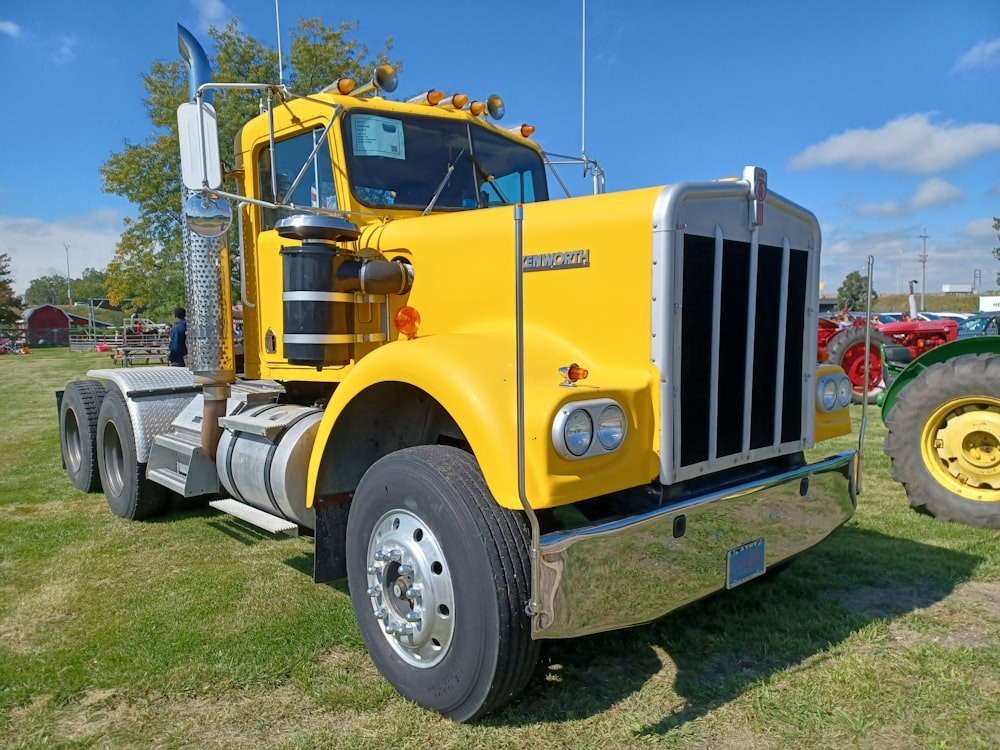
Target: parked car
{"x": 979, "y": 325}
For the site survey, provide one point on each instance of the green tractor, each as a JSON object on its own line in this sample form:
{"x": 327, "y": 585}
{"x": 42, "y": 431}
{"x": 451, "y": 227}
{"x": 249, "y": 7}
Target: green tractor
{"x": 942, "y": 413}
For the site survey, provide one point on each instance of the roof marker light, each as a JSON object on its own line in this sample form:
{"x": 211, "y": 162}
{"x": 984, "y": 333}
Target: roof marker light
{"x": 432, "y": 97}
{"x": 524, "y": 131}
{"x": 456, "y": 101}
{"x": 477, "y": 108}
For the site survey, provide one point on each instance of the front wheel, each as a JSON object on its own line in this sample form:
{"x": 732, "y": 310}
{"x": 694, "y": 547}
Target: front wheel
{"x": 944, "y": 440}
{"x": 439, "y": 579}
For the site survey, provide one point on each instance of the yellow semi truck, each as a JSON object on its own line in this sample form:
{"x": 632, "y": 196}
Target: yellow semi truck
{"x": 504, "y": 417}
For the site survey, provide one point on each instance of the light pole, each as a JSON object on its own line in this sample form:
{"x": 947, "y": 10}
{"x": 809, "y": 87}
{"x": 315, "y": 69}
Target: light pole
{"x": 923, "y": 261}
{"x": 69, "y": 290}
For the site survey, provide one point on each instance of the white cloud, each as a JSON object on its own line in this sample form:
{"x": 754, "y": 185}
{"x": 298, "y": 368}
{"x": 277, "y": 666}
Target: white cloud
{"x": 10, "y": 29}
{"x": 64, "y": 50}
{"x": 980, "y": 229}
{"x": 984, "y": 54}
{"x": 951, "y": 258}
{"x": 36, "y": 248}
{"x": 210, "y": 12}
{"x": 911, "y": 143}
{"x": 935, "y": 192}
{"x": 931, "y": 193}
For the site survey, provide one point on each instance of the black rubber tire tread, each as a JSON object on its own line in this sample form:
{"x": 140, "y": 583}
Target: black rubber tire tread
{"x": 137, "y": 498}
{"x": 945, "y": 381}
{"x": 848, "y": 338}
{"x": 81, "y": 403}
{"x": 505, "y": 541}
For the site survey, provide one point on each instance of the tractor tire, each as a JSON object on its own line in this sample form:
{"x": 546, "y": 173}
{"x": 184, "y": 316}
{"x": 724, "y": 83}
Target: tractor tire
{"x": 130, "y": 495}
{"x": 439, "y": 576}
{"x": 847, "y": 349}
{"x": 943, "y": 440}
{"x": 78, "y": 412}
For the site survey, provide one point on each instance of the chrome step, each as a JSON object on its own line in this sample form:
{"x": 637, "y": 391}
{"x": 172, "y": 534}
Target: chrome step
{"x": 172, "y": 480}
{"x": 256, "y": 517}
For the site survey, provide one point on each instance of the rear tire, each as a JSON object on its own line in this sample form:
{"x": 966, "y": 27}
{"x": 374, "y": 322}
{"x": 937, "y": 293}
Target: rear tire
{"x": 847, "y": 349}
{"x": 439, "y": 577}
{"x": 130, "y": 495}
{"x": 944, "y": 440}
{"x": 81, "y": 403}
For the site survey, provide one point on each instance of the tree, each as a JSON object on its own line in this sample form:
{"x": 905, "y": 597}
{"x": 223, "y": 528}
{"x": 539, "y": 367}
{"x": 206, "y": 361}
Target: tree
{"x": 51, "y": 290}
{"x": 854, "y": 292}
{"x": 10, "y": 303}
{"x": 46, "y": 290}
{"x": 147, "y": 265}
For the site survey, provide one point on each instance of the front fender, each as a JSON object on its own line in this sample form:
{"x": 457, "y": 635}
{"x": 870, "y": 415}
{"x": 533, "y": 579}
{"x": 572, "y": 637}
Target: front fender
{"x": 972, "y": 345}
{"x": 472, "y": 377}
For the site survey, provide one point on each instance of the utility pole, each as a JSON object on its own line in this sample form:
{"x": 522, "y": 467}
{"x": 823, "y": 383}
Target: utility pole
{"x": 923, "y": 262}
{"x": 69, "y": 290}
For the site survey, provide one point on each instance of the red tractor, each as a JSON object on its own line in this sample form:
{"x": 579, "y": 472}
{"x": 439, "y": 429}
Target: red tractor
{"x": 845, "y": 346}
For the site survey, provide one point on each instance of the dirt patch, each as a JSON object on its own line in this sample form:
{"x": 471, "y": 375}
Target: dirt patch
{"x": 967, "y": 616}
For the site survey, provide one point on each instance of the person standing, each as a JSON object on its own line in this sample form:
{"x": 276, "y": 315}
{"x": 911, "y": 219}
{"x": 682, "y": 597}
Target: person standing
{"x": 178, "y": 339}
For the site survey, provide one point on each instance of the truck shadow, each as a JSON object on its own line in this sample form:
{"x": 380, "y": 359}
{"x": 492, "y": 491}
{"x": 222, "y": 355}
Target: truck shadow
{"x": 714, "y": 650}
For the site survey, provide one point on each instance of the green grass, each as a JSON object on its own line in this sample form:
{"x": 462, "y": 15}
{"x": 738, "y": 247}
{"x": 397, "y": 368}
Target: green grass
{"x": 194, "y": 631}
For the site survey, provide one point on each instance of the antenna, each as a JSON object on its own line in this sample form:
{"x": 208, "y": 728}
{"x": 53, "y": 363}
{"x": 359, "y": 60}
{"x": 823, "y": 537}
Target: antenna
{"x": 281, "y": 67}
{"x": 583, "y": 84}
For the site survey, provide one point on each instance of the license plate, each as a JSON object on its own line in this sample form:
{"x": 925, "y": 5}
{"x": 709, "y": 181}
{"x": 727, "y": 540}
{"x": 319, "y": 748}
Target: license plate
{"x": 744, "y": 563}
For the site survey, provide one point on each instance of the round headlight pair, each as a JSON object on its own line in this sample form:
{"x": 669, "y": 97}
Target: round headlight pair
{"x": 578, "y": 424}
{"x": 835, "y": 392}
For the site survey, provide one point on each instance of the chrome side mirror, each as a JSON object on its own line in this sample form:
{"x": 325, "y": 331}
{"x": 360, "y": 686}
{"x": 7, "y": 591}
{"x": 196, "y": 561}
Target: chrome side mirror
{"x": 207, "y": 214}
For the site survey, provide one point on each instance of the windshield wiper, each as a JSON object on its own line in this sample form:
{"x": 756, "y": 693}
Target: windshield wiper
{"x": 444, "y": 181}
{"x": 486, "y": 176}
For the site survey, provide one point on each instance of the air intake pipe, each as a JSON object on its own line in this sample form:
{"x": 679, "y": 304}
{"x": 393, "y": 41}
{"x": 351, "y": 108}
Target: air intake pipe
{"x": 374, "y": 276}
{"x": 206, "y": 285}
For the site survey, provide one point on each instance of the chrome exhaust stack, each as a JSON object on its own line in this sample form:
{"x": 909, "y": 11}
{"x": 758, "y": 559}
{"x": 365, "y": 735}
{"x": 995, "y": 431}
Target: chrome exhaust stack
{"x": 206, "y": 246}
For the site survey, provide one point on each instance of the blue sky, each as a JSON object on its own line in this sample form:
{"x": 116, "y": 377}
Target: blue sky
{"x": 881, "y": 117}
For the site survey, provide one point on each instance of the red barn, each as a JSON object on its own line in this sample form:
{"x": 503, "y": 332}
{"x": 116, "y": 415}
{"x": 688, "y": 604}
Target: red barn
{"x": 49, "y": 325}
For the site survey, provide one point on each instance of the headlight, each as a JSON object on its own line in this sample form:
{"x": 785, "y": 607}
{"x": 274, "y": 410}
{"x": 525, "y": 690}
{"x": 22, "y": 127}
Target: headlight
{"x": 578, "y": 432}
{"x": 611, "y": 427}
{"x": 828, "y": 393}
{"x": 577, "y": 424}
{"x": 845, "y": 391}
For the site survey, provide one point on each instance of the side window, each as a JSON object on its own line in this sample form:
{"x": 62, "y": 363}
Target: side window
{"x": 316, "y": 187}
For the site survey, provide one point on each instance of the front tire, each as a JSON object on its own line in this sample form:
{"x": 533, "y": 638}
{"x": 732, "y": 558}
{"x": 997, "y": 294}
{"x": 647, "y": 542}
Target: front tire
{"x": 439, "y": 577}
{"x": 81, "y": 403}
{"x": 944, "y": 440}
{"x": 130, "y": 495}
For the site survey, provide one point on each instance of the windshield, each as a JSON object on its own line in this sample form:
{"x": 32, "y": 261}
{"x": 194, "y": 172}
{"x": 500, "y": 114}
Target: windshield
{"x": 402, "y": 161}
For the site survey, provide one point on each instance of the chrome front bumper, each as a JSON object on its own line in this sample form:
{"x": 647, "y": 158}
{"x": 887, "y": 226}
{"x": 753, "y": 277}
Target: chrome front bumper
{"x": 636, "y": 569}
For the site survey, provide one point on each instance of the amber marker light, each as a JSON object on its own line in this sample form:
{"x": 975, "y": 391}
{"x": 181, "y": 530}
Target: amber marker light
{"x": 524, "y": 131}
{"x": 407, "y": 321}
{"x": 457, "y": 101}
{"x": 345, "y": 85}
{"x": 477, "y": 108}
{"x": 573, "y": 373}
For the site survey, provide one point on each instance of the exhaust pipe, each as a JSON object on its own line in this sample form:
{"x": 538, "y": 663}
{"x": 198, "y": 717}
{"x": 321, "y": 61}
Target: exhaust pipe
{"x": 206, "y": 285}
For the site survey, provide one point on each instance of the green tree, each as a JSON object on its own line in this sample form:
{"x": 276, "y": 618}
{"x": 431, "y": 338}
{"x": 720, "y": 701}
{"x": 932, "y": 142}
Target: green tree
{"x": 51, "y": 290}
{"x": 147, "y": 266}
{"x": 854, "y": 292}
{"x": 46, "y": 290}
{"x": 10, "y": 303}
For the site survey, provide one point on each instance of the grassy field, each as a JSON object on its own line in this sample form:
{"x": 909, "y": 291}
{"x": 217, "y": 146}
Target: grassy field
{"x": 194, "y": 631}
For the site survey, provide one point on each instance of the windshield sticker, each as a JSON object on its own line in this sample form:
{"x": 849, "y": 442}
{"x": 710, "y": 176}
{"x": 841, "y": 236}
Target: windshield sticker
{"x": 378, "y": 136}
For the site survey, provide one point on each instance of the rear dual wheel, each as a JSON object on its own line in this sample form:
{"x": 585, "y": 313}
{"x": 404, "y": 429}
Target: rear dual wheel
{"x": 130, "y": 495}
{"x": 944, "y": 440}
{"x": 439, "y": 577}
{"x": 78, "y": 411}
